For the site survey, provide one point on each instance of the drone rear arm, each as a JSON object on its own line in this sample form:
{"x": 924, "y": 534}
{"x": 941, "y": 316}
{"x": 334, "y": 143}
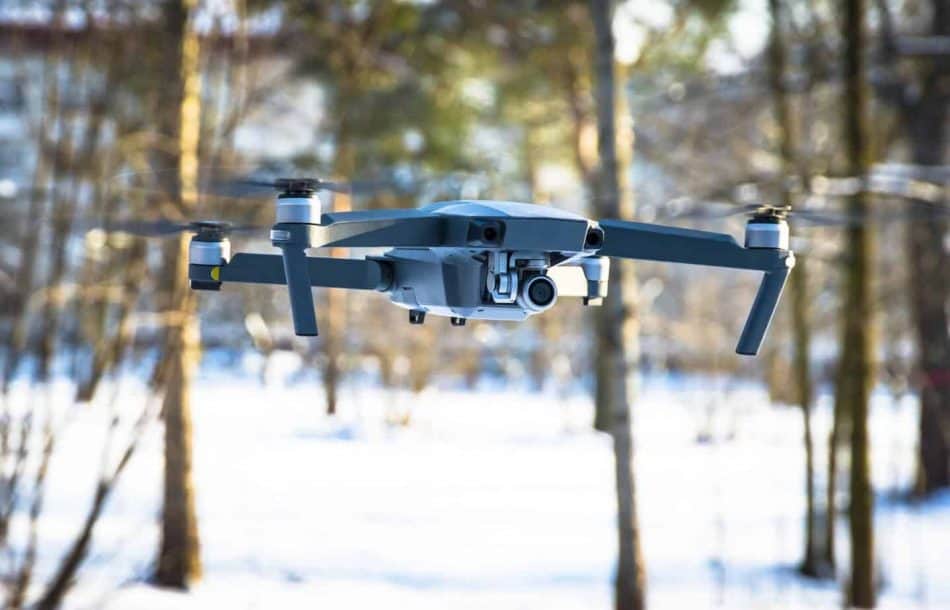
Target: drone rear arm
{"x": 642, "y": 241}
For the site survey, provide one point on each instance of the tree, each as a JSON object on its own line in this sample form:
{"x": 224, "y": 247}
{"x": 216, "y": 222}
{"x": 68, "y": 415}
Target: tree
{"x": 614, "y": 321}
{"x": 179, "y": 562}
{"x": 798, "y": 285}
{"x": 369, "y": 60}
{"x": 922, "y": 104}
{"x": 856, "y": 368}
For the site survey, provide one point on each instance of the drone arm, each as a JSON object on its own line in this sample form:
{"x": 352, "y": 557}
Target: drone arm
{"x": 670, "y": 244}
{"x": 303, "y": 270}
{"x": 246, "y": 268}
{"x": 642, "y": 241}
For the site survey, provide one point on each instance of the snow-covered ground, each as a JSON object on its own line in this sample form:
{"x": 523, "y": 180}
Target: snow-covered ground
{"x": 495, "y": 498}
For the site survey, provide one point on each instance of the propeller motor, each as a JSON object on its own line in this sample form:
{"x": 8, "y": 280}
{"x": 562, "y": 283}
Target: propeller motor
{"x": 767, "y": 228}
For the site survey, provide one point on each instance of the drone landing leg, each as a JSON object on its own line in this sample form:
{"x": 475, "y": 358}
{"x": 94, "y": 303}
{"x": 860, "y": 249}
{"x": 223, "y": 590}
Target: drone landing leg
{"x": 766, "y": 300}
{"x": 301, "y": 297}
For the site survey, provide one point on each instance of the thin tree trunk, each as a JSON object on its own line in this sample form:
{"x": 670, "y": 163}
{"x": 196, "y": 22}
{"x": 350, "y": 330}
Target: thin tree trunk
{"x": 801, "y": 323}
{"x": 65, "y": 575}
{"x": 77, "y": 163}
{"x": 614, "y": 327}
{"x": 21, "y": 585}
{"x": 110, "y": 348}
{"x": 179, "y": 563}
{"x": 584, "y": 164}
{"x": 336, "y": 299}
{"x": 43, "y": 177}
{"x": 840, "y": 434}
{"x": 926, "y": 121}
{"x": 858, "y": 310}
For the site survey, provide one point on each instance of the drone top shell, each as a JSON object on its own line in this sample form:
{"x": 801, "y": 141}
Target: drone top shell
{"x": 499, "y": 209}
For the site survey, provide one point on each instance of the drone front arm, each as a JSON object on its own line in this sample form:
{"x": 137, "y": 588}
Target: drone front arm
{"x": 245, "y": 268}
{"x": 642, "y": 241}
{"x": 304, "y": 271}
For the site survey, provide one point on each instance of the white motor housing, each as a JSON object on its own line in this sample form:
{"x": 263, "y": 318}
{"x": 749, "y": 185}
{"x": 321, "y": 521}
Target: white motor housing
{"x": 767, "y": 233}
{"x": 299, "y": 209}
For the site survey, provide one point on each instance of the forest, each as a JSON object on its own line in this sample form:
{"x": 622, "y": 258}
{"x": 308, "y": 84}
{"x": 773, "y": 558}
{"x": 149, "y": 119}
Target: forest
{"x": 167, "y": 447}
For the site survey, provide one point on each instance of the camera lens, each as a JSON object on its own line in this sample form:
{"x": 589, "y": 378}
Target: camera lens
{"x": 541, "y": 292}
{"x": 537, "y": 294}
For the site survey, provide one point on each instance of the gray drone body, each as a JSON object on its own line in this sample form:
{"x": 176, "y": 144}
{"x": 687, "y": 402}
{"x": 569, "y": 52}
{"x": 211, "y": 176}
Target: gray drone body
{"x": 478, "y": 260}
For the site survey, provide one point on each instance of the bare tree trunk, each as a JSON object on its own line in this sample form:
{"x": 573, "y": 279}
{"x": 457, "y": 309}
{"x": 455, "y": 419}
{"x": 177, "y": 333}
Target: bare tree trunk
{"x": 110, "y": 348}
{"x": 336, "y": 300}
{"x": 78, "y": 161}
{"x": 614, "y": 326}
{"x": 21, "y": 585}
{"x": 840, "y": 433}
{"x": 801, "y": 322}
{"x": 858, "y": 315}
{"x": 43, "y": 177}
{"x": 926, "y": 121}
{"x": 585, "y": 165}
{"x": 179, "y": 562}
{"x": 65, "y": 575}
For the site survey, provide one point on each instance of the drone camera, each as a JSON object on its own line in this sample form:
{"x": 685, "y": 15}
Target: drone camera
{"x": 538, "y": 293}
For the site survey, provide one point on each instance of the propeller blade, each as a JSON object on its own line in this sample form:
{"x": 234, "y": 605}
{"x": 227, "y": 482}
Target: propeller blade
{"x": 251, "y": 187}
{"x": 145, "y": 228}
{"x": 815, "y": 215}
{"x": 168, "y": 228}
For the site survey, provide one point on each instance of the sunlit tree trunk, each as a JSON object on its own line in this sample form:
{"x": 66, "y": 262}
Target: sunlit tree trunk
{"x": 616, "y": 341}
{"x": 334, "y": 316}
{"x": 857, "y": 314}
{"x": 179, "y": 562}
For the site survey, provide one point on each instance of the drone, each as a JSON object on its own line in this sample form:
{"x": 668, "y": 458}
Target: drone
{"x": 475, "y": 259}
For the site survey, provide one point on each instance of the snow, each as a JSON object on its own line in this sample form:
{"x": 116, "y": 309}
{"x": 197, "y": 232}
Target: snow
{"x": 498, "y": 497}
